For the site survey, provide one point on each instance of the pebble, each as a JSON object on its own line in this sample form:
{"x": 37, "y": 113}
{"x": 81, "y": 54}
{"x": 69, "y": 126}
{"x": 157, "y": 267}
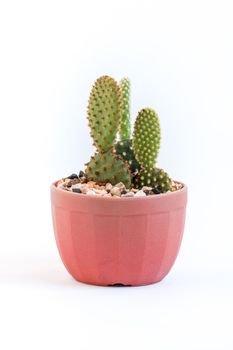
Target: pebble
{"x": 75, "y": 181}
{"x": 77, "y": 186}
{"x": 85, "y": 188}
{"x": 128, "y": 194}
{"x": 115, "y": 191}
{"x": 108, "y": 186}
{"x": 107, "y": 195}
{"x": 72, "y": 176}
{"x": 91, "y": 184}
{"x": 178, "y": 186}
{"x": 60, "y": 184}
{"x": 90, "y": 193}
{"x": 121, "y": 186}
{"x": 68, "y": 182}
{"x": 100, "y": 192}
{"x": 140, "y": 194}
{"x": 76, "y": 190}
{"x": 81, "y": 173}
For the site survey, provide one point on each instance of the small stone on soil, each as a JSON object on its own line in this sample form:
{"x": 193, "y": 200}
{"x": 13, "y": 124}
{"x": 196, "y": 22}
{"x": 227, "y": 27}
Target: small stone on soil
{"x": 108, "y": 186}
{"x": 68, "y": 182}
{"x": 128, "y": 194}
{"x": 72, "y": 176}
{"x": 90, "y": 193}
{"x": 85, "y": 188}
{"x": 115, "y": 191}
{"x": 78, "y": 185}
{"x": 121, "y": 186}
{"x": 140, "y": 194}
{"x": 76, "y": 190}
{"x": 81, "y": 173}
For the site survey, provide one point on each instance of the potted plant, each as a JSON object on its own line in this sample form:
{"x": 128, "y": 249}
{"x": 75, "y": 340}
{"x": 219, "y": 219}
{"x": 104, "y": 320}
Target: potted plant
{"x": 120, "y": 221}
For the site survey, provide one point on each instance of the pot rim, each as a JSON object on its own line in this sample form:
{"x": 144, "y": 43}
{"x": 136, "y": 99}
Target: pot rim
{"x": 184, "y": 189}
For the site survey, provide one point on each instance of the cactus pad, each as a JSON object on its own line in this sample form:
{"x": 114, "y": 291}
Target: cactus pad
{"x": 108, "y": 167}
{"x": 125, "y": 150}
{"x": 104, "y": 112}
{"x": 156, "y": 178}
{"x": 125, "y": 96}
{"x": 146, "y": 138}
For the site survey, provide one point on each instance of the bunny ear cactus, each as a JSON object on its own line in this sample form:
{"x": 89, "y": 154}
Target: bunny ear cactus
{"x": 124, "y": 146}
{"x": 146, "y": 144}
{"x": 105, "y": 116}
{"x": 104, "y": 112}
{"x": 108, "y": 167}
{"x": 125, "y": 97}
{"x": 146, "y": 137}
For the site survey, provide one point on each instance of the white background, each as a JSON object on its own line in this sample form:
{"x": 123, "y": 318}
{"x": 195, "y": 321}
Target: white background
{"x": 179, "y": 57}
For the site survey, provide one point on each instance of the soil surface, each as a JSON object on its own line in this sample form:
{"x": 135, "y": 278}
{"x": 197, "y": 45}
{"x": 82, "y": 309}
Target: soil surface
{"x": 78, "y": 183}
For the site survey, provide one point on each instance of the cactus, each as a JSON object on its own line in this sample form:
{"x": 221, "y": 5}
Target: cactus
{"x": 108, "y": 167}
{"x": 125, "y": 150}
{"x": 146, "y": 138}
{"x": 125, "y": 96}
{"x": 156, "y": 178}
{"x": 104, "y": 116}
{"x": 104, "y": 112}
{"x": 108, "y": 113}
{"x": 146, "y": 143}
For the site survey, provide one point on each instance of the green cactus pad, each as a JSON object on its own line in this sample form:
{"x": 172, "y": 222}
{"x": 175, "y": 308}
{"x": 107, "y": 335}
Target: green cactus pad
{"x": 108, "y": 167}
{"x": 125, "y": 95}
{"x": 156, "y": 178}
{"x": 146, "y": 138}
{"x": 125, "y": 150}
{"x": 104, "y": 112}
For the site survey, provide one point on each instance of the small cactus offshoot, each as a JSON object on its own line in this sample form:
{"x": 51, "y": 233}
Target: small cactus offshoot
{"x": 156, "y": 178}
{"x": 124, "y": 148}
{"x": 125, "y": 96}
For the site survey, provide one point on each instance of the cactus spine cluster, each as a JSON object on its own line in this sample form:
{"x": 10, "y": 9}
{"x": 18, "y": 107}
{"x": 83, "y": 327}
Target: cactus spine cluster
{"x": 131, "y": 161}
{"x": 125, "y": 96}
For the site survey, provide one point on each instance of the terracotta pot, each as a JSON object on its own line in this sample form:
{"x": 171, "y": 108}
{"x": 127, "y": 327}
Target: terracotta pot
{"x": 129, "y": 241}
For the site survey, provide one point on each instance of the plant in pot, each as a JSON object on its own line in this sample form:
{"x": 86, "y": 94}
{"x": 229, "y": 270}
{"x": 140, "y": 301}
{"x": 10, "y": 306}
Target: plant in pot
{"x": 120, "y": 221}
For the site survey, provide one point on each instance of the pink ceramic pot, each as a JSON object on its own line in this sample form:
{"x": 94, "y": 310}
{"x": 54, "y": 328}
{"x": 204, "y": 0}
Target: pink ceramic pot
{"x": 129, "y": 241}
